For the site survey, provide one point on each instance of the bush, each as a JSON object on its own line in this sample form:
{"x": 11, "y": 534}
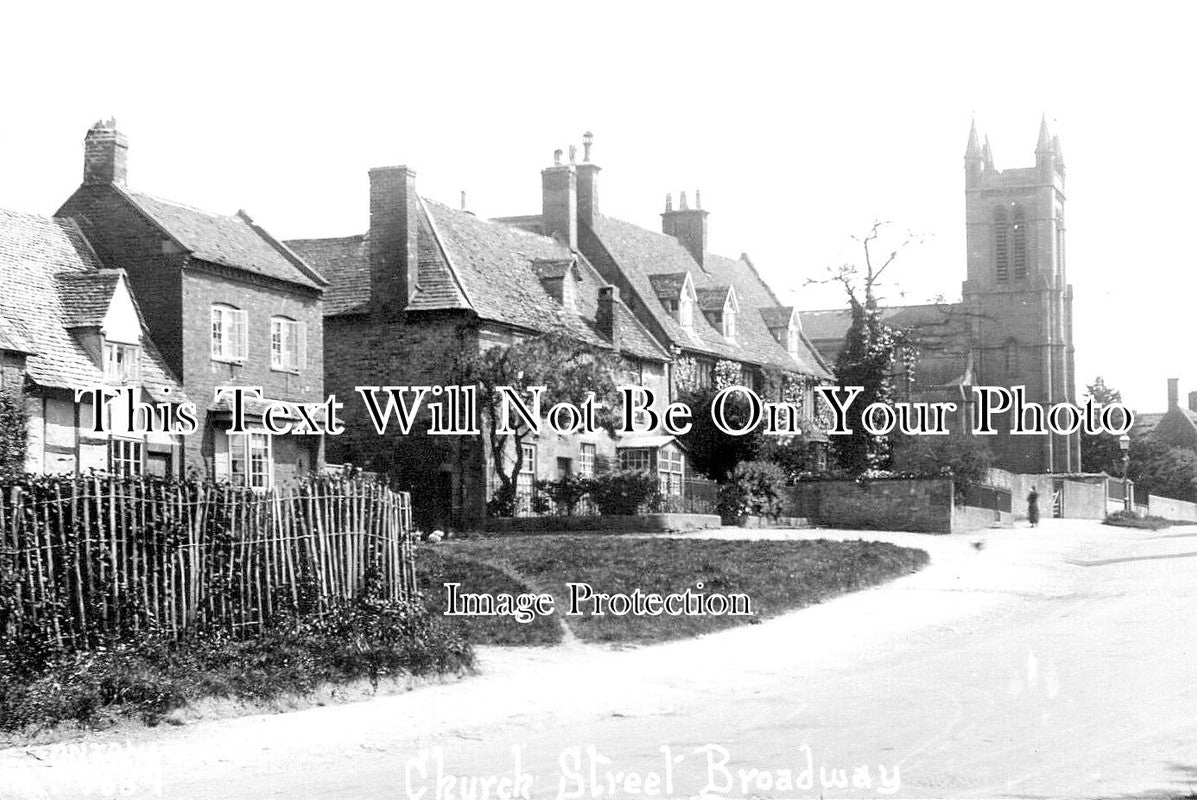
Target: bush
{"x": 566, "y": 492}
{"x": 625, "y": 492}
{"x": 12, "y": 434}
{"x": 363, "y": 638}
{"x": 1128, "y": 519}
{"x": 965, "y": 458}
{"x": 753, "y": 490}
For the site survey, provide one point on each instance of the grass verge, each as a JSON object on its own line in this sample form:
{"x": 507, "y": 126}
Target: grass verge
{"x": 778, "y": 576}
{"x": 1126, "y": 519}
{"x": 149, "y": 678}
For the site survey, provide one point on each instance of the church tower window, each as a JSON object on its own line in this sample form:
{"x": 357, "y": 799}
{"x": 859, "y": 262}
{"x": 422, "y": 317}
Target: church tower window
{"x": 1001, "y": 245}
{"x": 1020, "y": 243}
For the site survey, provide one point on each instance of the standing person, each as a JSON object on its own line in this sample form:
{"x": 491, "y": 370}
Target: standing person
{"x": 1033, "y": 507}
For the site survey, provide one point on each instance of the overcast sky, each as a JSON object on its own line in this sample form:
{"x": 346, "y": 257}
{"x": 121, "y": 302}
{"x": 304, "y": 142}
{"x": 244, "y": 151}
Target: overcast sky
{"x": 801, "y": 124}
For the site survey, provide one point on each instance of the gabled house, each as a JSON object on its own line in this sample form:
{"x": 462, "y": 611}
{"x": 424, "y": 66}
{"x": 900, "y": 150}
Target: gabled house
{"x": 1176, "y": 427}
{"x": 228, "y": 304}
{"x": 428, "y": 283}
{"x": 68, "y": 323}
{"x": 706, "y": 308}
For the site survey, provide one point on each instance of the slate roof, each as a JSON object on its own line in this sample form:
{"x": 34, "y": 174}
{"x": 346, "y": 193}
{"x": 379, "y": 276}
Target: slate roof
{"x": 941, "y": 328}
{"x": 229, "y": 240}
{"x": 43, "y": 262}
{"x": 467, "y": 263}
{"x": 644, "y": 255}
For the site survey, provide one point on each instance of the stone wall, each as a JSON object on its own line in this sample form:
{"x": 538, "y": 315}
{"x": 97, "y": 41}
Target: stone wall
{"x": 922, "y": 505}
{"x": 1166, "y": 507}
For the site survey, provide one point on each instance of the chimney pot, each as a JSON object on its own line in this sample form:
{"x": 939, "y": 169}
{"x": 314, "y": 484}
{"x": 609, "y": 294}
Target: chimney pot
{"x": 1173, "y": 393}
{"x": 669, "y": 202}
{"x": 698, "y": 198}
{"x": 587, "y": 142}
{"x": 557, "y": 157}
{"x": 682, "y": 204}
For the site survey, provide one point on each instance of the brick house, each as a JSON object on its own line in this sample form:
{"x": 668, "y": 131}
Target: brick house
{"x": 427, "y": 283}
{"x": 227, "y": 303}
{"x": 66, "y": 323}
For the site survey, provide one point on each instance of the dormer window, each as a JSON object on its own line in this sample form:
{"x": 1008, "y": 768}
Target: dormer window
{"x": 122, "y": 362}
{"x": 731, "y": 308}
{"x": 685, "y": 310}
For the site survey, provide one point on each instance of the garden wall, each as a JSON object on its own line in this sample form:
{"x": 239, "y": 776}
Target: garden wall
{"x": 922, "y": 505}
{"x": 1166, "y": 507}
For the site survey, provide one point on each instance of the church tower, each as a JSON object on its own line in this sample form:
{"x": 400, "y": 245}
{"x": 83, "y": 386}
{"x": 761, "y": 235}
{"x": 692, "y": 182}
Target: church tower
{"x": 1017, "y": 296}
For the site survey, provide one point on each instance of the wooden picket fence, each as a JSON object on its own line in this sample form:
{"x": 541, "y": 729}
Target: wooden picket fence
{"x": 86, "y": 559}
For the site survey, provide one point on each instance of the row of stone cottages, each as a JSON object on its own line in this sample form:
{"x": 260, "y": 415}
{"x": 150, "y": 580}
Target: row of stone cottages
{"x": 122, "y": 288}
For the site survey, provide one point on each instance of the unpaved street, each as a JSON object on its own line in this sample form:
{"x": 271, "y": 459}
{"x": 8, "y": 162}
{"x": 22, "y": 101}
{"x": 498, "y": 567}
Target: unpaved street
{"x": 1055, "y": 662}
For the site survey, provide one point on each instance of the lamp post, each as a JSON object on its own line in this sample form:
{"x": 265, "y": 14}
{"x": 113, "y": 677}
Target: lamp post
{"x": 1124, "y": 445}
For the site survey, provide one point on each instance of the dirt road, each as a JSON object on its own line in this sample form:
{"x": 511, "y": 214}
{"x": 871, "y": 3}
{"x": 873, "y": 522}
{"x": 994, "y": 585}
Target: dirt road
{"x": 1056, "y": 662}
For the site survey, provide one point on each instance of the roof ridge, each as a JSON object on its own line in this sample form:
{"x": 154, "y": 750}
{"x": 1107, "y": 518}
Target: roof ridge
{"x": 283, "y": 250}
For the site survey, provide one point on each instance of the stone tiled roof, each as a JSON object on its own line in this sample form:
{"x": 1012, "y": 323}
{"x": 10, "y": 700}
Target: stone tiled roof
{"x": 712, "y": 298}
{"x": 86, "y": 295}
{"x": 41, "y": 261}
{"x": 12, "y": 339}
{"x": 668, "y": 287}
{"x": 467, "y": 263}
{"x": 229, "y": 240}
{"x": 644, "y": 255}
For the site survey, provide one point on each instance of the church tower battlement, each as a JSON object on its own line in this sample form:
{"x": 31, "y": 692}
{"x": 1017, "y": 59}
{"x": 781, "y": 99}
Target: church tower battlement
{"x": 1017, "y": 295}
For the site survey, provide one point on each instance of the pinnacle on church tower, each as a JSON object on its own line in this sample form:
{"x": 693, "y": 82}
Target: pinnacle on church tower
{"x": 973, "y": 150}
{"x": 1044, "y": 146}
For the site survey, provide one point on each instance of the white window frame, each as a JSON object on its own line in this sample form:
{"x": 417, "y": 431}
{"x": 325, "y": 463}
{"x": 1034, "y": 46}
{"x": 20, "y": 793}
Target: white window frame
{"x": 229, "y": 333}
{"x": 639, "y": 459}
{"x": 671, "y": 470}
{"x": 586, "y": 459}
{"x": 288, "y": 344}
{"x": 126, "y": 456}
{"x": 254, "y": 451}
{"x": 122, "y": 362}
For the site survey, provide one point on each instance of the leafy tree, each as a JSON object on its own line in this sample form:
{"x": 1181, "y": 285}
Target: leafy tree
{"x": 13, "y": 421}
{"x": 569, "y": 370}
{"x": 873, "y": 351}
{"x": 1101, "y": 452}
{"x": 965, "y": 457}
{"x": 1162, "y": 470}
{"x": 713, "y": 452}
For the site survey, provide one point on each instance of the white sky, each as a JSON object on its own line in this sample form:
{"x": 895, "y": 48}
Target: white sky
{"x": 800, "y": 123}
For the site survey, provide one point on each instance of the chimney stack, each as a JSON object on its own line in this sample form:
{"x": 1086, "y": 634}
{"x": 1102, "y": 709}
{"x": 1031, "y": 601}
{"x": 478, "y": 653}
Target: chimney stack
{"x": 559, "y": 201}
{"x": 604, "y": 321}
{"x": 1173, "y": 393}
{"x": 105, "y": 155}
{"x": 1192, "y": 401}
{"x": 687, "y": 225}
{"x": 588, "y": 202}
{"x": 394, "y": 227}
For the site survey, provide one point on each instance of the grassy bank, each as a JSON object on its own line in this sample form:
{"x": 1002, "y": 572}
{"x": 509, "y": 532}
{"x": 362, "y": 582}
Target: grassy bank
{"x": 149, "y": 678}
{"x": 777, "y": 576}
{"x": 1125, "y": 519}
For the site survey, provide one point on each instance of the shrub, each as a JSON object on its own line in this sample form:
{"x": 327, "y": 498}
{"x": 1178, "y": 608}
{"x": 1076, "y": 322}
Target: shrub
{"x": 12, "y": 434}
{"x": 1128, "y": 519}
{"x": 364, "y": 638}
{"x": 625, "y": 492}
{"x": 566, "y": 492}
{"x": 753, "y": 490}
